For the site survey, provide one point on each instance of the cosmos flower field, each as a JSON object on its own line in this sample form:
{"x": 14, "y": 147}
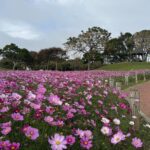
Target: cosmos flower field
{"x": 45, "y": 110}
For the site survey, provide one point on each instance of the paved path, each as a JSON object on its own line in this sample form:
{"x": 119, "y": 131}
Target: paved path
{"x": 144, "y": 90}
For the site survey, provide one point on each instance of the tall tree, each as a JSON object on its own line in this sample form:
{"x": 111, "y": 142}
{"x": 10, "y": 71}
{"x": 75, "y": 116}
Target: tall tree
{"x": 142, "y": 42}
{"x": 119, "y": 49}
{"x": 94, "y": 39}
{"x": 15, "y": 54}
{"x": 51, "y": 54}
{"x": 127, "y": 40}
{"x": 114, "y": 50}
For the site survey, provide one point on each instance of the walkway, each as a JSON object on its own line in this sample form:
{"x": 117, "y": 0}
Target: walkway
{"x": 144, "y": 90}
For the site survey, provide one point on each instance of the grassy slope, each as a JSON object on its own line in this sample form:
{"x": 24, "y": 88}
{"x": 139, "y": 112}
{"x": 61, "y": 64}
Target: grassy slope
{"x": 127, "y": 66}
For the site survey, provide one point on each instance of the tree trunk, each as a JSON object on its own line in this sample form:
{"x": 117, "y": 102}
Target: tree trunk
{"x": 56, "y": 66}
{"x": 14, "y": 65}
{"x": 88, "y": 65}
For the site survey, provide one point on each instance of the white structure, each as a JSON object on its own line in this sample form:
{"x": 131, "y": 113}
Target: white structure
{"x": 148, "y": 58}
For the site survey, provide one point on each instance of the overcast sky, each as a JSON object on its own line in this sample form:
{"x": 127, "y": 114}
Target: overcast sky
{"x": 37, "y": 24}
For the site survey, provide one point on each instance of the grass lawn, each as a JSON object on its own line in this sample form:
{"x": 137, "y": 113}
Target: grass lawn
{"x": 126, "y": 66}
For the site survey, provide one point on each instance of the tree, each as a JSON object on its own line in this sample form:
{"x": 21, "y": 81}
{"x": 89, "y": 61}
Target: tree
{"x": 119, "y": 49}
{"x": 51, "y": 54}
{"x": 16, "y": 55}
{"x": 92, "y": 56}
{"x": 142, "y": 42}
{"x": 94, "y": 39}
{"x": 127, "y": 40}
{"x": 115, "y": 50}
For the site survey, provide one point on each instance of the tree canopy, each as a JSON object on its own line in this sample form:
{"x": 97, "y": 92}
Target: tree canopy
{"x": 15, "y": 54}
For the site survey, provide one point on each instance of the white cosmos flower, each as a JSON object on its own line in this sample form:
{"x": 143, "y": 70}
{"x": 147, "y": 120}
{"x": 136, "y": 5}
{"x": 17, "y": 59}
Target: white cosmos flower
{"x": 147, "y": 125}
{"x": 134, "y": 117}
{"x": 116, "y": 121}
{"x": 105, "y": 120}
{"x": 131, "y": 123}
{"x": 106, "y": 130}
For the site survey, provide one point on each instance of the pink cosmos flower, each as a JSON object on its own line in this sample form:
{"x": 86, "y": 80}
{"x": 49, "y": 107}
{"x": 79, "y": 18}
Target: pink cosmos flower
{"x": 50, "y": 110}
{"x": 16, "y": 96}
{"x": 70, "y": 139}
{"x": 14, "y": 146}
{"x": 123, "y": 105}
{"x": 58, "y": 142}
{"x": 41, "y": 89}
{"x": 86, "y": 143}
{"x": 35, "y": 106}
{"x": 6, "y": 130}
{"x": 31, "y": 96}
{"x": 4, "y": 109}
{"x": 48, "y": 119}
{"x": 55, "y": 100}
{"x": 106, "y": 130}
{"x": 86, "y": 133}
{"x": 70, "y": 115}
{"x": 6, "y": 124}
{"x": 25, "y": 110}
{"x": 39, "y": 96}
{"x": 15, "y": 103}
{"x": 17, "y": 117}
{"x": 137, "y": 143}
{"x": 118, "y": 137}
{"x": 32, "y": 133}
{"x": 4, "y": 144}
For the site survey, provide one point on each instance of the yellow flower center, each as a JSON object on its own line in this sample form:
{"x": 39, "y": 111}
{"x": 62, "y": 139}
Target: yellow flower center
{"x": 117, "y": 139}
{"x": 85, "y": 142}
{"x": 12, "y": 148}
{"x": 31, "y": 133}
{"x": 58, "y": 142}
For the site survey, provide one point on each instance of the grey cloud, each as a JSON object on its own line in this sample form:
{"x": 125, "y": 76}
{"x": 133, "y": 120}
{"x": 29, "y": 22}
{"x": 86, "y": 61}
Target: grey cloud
{"x": 55, "y": 20}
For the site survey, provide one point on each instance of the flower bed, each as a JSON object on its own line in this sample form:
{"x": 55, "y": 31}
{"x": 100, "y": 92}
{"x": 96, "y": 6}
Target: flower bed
{"x": 73, "y": 110}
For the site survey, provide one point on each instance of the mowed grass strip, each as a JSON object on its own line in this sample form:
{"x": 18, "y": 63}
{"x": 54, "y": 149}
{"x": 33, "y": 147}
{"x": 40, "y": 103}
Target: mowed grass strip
{"x": 126, "y": 66}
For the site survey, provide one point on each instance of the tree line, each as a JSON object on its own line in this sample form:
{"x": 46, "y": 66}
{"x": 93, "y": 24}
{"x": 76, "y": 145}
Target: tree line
{"x": 89, "y": 50}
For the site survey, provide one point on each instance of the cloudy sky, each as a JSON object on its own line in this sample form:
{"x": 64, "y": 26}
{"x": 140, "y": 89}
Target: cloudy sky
{"x": 37, "y": 24}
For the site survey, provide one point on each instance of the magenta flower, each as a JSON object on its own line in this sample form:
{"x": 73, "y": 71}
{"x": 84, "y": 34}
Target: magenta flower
{"x": 86, "y": 133}
{"x": 118, "y": 137}
{"x": 123, "y": 105}
{"x": 58, "y": 142}
{"x": 4, "y": 109}
{"x": 4, "y": 144}
{"x": 137, "y": 143}
{"x": 14, "y": 146}
{"x": 70, "y": 115}
{"x": 55, "y": 100}
{"x": 31, "y": 96}
{"x": 17, "y": 117}
{"x": 16, "y": 96}
{"x": 41, "y": 89}
{"x": 6, "y": 124}
{"x": 86, "y": 143}
{"x": 35, "y": 106}
{"x": 48, "y": 119}
{"x": 50, "y": 110}
{"x": 6, "y": 130}
{"x": 31, "y": 133}
{"x": 70, "y": 139}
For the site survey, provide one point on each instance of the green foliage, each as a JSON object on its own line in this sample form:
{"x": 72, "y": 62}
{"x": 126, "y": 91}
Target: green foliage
{"x": 16, "y": 55}
{"x": 92, "y": 56}
{"x": 127, "y": 66}
{"x": 5, "y": 63}
{"x": 119, "y": 49}
{"x": 90, "y": 43}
